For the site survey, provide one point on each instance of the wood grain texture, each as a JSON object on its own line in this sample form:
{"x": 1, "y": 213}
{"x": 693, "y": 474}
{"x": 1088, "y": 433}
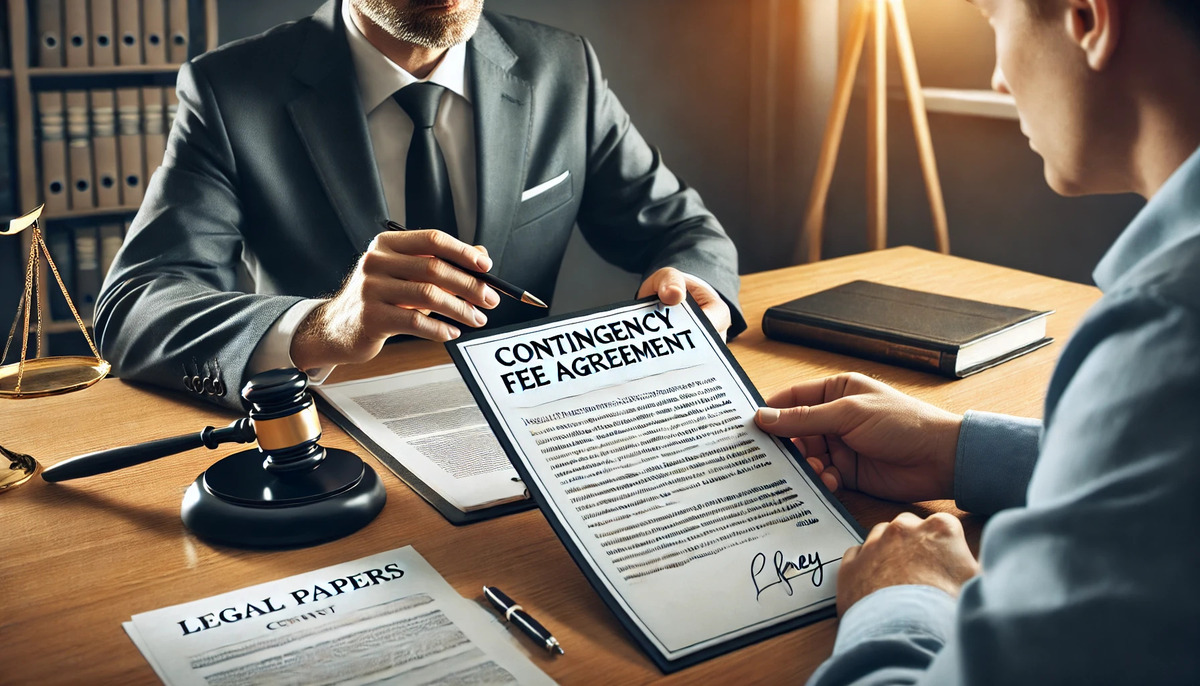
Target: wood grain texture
{"x": 80, "y": 557}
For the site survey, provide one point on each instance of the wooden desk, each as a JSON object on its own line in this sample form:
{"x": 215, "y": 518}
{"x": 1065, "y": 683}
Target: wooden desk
{"x": 79, "y": 558}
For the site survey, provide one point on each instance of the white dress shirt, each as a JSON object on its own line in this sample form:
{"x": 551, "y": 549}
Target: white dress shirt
{"x": 391, "y": 132}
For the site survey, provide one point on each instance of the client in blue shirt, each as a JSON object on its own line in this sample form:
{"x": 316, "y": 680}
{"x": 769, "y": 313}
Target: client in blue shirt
{"x": 1088, "y": 572}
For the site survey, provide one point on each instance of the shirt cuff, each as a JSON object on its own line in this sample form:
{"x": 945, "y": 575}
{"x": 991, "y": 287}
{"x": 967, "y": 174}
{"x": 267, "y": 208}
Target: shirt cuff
{"x": 274, "y": 350}
{"x": 994, "y": 461}
{"x": 896, "y": 612}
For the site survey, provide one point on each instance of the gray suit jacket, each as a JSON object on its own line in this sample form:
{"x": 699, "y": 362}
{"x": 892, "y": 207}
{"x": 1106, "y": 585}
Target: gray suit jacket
{"x": 270, "y": 154}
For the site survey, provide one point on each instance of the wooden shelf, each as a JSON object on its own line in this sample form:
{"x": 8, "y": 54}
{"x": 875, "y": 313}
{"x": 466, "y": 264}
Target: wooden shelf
{"x": 101, "y": 72}
{"x": 979, "y": 103}
{"x": 91, "y": 213}
{"x": 59, "y": 326}
{"x": 961, "y": 101}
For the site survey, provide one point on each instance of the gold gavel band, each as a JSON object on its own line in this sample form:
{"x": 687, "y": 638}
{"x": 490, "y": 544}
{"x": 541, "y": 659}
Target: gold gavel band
{"x": 289, "y": 431}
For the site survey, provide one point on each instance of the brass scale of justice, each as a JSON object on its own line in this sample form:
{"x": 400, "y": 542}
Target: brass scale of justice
{"x": 289, "y": 491}
{"x": 40, "y": 376}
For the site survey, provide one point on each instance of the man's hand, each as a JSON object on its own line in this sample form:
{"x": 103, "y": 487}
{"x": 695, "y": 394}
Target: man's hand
{"x": 401, "y": 278}
{"x": 863, "y": 434}
{"x": 671, "y": 285}
{"x": 907, "y": 550}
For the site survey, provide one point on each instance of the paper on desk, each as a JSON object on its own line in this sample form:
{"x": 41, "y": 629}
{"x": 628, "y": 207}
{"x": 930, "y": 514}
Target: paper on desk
{"x": 428, "y": 422}
{"x": 387, "y": 618}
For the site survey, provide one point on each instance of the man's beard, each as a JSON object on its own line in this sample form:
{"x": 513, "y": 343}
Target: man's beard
{"x": 433, "y": 30}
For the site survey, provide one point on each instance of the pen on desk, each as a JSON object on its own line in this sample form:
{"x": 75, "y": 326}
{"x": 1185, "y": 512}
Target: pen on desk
{"x": 495, "y": 282}
{"x": 517, "y": 615}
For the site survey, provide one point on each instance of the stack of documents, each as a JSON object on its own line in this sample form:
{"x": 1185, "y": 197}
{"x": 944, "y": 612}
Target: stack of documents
{"x": 388, "y": 618}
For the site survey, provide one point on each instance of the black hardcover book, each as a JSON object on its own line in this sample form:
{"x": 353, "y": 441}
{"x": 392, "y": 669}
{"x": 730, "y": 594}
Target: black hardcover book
{"x": 954, "y": 337}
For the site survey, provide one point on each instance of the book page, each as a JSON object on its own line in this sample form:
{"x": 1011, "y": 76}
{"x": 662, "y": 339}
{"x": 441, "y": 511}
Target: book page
{"x": 636, "y": 429}
{"x": 384, "y": 619}
{"x": 427, "y": 421}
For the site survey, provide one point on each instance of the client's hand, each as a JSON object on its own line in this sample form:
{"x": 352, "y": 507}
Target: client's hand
{"x": 863, "y": 434}
{"x": 393, "y": 289}
{"x": 907, "y": 550}
{"x": 672, "y": 285}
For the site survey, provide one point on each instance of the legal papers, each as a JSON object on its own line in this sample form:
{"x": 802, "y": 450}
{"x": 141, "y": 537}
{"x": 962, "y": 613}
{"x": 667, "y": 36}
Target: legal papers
{"x": 428, "y": 423}
{"x": 385, "y": 619}
{"x": 633, "y": 426}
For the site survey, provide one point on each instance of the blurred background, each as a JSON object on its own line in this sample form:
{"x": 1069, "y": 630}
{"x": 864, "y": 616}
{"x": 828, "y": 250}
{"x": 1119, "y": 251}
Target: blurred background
{"x": 736, "y": 94}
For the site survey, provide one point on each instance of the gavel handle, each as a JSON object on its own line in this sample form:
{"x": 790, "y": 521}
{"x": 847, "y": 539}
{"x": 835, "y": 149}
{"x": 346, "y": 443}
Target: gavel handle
{"x": 240, "y": 431}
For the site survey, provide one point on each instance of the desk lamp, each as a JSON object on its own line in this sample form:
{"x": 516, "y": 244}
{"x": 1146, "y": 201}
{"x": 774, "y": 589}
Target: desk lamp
{"x": 874, "y": 13}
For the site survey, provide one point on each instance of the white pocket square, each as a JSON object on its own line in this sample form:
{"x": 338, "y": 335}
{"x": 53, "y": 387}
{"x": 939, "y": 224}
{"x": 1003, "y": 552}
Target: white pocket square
{"x": 543, "y": 187}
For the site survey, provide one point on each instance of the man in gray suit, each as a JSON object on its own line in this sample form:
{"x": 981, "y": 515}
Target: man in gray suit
{"x": 290, "y": 150}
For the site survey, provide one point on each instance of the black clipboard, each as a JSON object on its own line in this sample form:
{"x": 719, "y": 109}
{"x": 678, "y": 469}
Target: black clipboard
{"x": 664, "y": 664}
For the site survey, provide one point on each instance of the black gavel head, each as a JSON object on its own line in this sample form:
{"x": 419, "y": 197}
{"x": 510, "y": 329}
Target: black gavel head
{"x": 289, "y": 491}
{"x": 285, "y": 419}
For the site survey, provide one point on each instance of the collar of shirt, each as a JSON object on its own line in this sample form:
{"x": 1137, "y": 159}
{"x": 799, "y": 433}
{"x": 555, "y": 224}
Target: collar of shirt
{"x": 379, "y": 77}
{"x": 1171, "y": 217}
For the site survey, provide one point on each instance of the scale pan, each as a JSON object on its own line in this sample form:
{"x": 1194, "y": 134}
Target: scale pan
{"x": 52, "y": 376}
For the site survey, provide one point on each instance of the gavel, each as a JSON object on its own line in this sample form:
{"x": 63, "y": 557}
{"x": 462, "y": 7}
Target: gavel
{"x": 289, "y": 491}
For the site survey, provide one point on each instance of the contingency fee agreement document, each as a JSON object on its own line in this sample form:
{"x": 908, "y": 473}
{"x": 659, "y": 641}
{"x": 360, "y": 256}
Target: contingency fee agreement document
{"x": 385, "y": 619}
{"x": 633, "y": 427}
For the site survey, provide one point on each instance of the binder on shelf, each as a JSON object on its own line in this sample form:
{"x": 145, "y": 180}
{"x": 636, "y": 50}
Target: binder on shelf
{"x": 179, "y": 39}
{"x": 12, "y": 285}
{"x": 112, "y": 235}
{"x": 52, "y": 129}
{"x": 5, "y": 60}
{"x": 79, "y": 151}
{"x": 59, "y": 241}
{"x": 129, "y": 31}
{"x": 103, "y": 25}
{"x": 87, "y": 271}
{"x": 8, "y": 171}
{"x": 49, "y": 22}
{"x": 154, "y": 31}
{"x": 104, "y": 148}
{"x": 153, "y": 128}
{"x": 130, "y": 158}
{"x": 78, "y": 43}
{"x": 172, "y": 106}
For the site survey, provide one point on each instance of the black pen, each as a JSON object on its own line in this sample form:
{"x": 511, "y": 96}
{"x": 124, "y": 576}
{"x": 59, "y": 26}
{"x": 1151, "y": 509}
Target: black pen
{"x": 496, "y": 282}
{"x": 517, "y": 615}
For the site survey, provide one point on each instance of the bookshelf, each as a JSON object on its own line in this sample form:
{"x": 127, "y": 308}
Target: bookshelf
{"x": 26, "y": 78}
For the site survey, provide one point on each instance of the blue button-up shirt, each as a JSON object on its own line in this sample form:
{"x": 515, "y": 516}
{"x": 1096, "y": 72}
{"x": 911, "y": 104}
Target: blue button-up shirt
{"x": 1091, "y": 566}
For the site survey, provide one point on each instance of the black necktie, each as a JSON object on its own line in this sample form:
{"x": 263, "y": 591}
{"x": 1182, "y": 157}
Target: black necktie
{"x": 429, "y": 203}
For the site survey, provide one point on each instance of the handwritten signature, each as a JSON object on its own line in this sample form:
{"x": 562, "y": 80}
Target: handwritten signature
{"x": 785, "y": 571}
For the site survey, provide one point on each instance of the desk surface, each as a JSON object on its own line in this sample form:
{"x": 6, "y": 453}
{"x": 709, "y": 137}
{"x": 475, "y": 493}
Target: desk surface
{"x": 79, "y": 558}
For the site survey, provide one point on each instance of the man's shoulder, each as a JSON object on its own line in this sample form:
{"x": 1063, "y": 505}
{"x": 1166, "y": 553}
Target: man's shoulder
{"x": 267, "y": 48}
{"x": 530, "y": 39}
{"x": 1171, "y": 273}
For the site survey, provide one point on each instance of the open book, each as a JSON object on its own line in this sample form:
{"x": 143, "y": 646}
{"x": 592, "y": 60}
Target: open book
{"x": 633, "y": 428}
{"x": 425, "y": 427}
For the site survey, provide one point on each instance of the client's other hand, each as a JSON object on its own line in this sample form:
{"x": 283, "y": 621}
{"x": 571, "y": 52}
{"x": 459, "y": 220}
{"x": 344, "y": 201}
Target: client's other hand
{"x": 862, "y": 434}
{"x": 907, "y": 550}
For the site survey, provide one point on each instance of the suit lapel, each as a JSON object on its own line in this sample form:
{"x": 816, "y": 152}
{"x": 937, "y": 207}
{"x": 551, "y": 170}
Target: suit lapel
{"x": 329, "y": 119}
{"x": 503, "y": 117}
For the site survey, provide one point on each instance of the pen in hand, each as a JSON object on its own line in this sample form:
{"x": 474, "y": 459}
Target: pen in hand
{"x": 517, "y": 615}
{"x": 512, "y": 291}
